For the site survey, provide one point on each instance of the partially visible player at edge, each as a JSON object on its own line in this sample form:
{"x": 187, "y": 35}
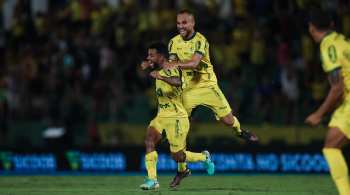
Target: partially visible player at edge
{"x": 189, "y": 51}
{"x": 171, "y": 121}
{"x": 335, "y": 56}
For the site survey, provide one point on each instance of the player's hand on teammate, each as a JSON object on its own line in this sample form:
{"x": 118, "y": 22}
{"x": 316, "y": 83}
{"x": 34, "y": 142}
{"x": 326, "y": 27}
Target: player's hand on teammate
{"x": 155, "y": 74}
{"x": 169, "y": 65}
{"x": 145, "y": 64}
{"x": 314, "y": 119}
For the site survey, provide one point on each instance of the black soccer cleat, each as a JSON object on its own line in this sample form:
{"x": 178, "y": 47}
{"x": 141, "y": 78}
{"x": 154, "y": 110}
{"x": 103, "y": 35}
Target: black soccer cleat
{"x": 249, "y": 136}
{"x": 179, "y": 177}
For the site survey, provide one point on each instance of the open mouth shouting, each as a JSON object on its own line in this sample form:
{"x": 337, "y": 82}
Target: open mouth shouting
{"x": 183, "y": 32}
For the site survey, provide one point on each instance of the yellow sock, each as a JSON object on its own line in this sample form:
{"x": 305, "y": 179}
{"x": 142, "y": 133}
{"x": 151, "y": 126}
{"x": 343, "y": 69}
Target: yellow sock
{"x": 195, "y": 157}
{"x": 236, "y": 127}
{"x": 151, "y": 162}
{"x": 338, "y": 168}
{"x": 181, "y": 167}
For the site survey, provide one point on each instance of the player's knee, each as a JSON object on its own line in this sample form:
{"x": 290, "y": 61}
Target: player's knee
{"x": 149, "y": 142}
{"x": 229, "y": 122}
{"x": 177, "y": 157}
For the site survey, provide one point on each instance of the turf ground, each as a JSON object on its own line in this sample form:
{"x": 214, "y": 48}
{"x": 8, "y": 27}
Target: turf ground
{"x": 222, "y": 184}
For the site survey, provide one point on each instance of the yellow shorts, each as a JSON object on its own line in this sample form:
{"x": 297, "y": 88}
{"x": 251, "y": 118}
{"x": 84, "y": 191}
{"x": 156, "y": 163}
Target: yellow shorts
{"x": 173, "y": 129}
{"x": 341, "y": 118}
{"x": 210, "y": 97}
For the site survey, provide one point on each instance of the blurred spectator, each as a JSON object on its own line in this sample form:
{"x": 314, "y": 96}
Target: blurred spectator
{"x": 290, "y": 90}
{"x": 4, "y": 111}
{"x": 92, "y": 49}
{"x": 264, "y": 98}
{"x": 93, "y": 133}
{"x": 257, "y": 51}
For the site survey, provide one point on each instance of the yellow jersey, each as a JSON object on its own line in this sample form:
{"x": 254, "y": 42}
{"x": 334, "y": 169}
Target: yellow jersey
{"x": 184, "y": 49}
{"x": 335, "y": 55}
{"x": 169, "y": 97}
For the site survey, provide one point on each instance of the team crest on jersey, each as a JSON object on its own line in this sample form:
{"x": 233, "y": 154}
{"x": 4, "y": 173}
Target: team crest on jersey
{"x": 192, "y": 49}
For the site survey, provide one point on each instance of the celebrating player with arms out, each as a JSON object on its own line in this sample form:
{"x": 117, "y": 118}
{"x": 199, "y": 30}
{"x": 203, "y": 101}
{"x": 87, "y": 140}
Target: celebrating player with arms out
{"x": 171, "y": 121}
{"x": 189, "y": 51}
{"x": 335, "y": 56}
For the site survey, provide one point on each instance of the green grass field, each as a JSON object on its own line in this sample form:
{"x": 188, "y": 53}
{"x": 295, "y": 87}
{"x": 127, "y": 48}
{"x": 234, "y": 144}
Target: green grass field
{"x": 230, "y": 184}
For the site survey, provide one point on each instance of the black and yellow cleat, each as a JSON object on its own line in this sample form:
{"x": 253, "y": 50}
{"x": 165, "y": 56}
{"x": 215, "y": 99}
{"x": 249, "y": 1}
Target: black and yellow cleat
{"x": 179, "y": 177}
{"x": 249, "y": 136}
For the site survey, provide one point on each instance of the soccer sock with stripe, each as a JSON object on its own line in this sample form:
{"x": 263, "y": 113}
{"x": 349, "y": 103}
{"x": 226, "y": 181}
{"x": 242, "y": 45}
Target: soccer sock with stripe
{"x": 339, "y": 169}
{"x": 195, "y": 157}
{"x": 236, "y": 127}
{"x": 151, "y": 163}
{"x": 181, "y": 167}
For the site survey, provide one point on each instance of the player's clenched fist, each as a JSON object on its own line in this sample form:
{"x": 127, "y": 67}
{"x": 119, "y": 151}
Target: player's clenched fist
{"x": 155, "y": 74}
{"x": 169, "y": 65}
{"x": 314, "y": 119}
{"x": 145, "y": 64}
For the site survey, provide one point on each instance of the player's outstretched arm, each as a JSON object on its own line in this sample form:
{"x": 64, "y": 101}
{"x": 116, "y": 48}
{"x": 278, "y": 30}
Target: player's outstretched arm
{"x": 192, "y": 64}
{"x": 334, "y": 94}
{"x": 174, "y": 81}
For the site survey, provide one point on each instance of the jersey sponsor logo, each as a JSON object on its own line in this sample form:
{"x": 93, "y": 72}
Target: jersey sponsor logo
{"x": 332, "y": 54}
{"x": 198, "y": 45}
{"x": 159, "y": 92}
{"x": 164, "y": 106}
{"x": 221, "y": 108}
{"x": 179, "y": 48}
{"x": 177, "y": 128}
{"x": 170, "y": 45}
{"x": 185, "y": 53}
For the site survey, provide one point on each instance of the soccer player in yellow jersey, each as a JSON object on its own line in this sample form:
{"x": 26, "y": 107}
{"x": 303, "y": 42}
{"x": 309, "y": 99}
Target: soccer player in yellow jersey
{"x": 171, "y": 121}
{"x": 189, "y": 51}
{"x": 335, "y": 56}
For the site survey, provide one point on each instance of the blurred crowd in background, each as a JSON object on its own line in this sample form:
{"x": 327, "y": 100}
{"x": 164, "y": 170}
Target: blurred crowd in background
{"x": 79, "y": 60}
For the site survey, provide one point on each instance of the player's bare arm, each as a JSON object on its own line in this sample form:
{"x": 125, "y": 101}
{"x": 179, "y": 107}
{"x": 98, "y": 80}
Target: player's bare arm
{"x": 174, "y": 81}
{"x": 334, "y": 94}
{"x": 192, "y": 64}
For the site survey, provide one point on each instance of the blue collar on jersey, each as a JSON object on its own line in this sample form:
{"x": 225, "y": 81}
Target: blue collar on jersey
{"x": 194, "y": 34}
{"x": 330, "y": 32}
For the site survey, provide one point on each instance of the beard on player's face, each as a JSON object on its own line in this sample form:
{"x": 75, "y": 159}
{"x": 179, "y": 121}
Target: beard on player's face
{"x": 184, "y": 32}
{"x": 154, "y": 63}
